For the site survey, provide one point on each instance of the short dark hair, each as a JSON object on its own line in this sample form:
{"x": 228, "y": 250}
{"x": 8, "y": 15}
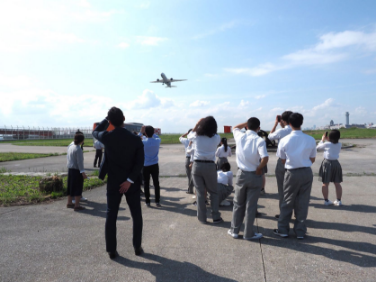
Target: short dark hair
{"x": 285, "y": 116}
{"x": 208, "y": 127}
{"x": 334, "y": 136}
{"x": 296, "y": 120}
{"x": 78, "y": 137}
{"x": 226, "y": 167}
{"x": 115, "y": 116}
{"x": 253, "y": 123}
{"x": 189, "y": 131}
{"x": 149, "y": 131}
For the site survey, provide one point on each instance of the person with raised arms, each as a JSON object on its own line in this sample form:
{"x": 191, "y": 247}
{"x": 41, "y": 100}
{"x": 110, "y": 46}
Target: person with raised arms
{"x": 250, "y": 148}
{"x": 185, "y": 142}
{"x": 205, "y": 138}
{"x": 278, "y": 135}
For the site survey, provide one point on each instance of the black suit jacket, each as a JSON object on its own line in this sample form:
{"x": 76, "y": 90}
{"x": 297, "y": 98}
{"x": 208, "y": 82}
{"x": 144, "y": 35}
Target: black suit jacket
{"x": 124, "y": 154}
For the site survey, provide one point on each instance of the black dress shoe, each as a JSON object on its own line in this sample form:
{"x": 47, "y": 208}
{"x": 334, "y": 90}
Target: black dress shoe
{"x": 139, "y": 251}
{"x": 258, "y": 214}
{"x": 276, "y": 216}
{"x": 113, "y": 255}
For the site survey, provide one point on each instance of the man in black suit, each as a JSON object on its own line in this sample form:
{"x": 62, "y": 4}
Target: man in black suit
{"x": 124, "y": 159}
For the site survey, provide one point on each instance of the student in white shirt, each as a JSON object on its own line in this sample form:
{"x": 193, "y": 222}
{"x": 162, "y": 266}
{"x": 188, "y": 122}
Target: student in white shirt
{"x": 98, "y": 153}
{"x": 204, "y": 173}
{"x": 250, "y": 148}
{"x": 225, "y": 188}
{"x": 185, "y": 142}
{"x": 222, "y": 153}
{"x": 278, "y": 135}
{"x": 297, "y": 152}
{"x": 331, "y": 170}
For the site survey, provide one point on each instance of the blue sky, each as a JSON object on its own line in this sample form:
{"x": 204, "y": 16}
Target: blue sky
{"x": 65, "y": 63}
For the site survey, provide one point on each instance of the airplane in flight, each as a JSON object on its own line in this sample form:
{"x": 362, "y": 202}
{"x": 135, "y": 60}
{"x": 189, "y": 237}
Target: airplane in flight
{"x": 166, "y": 80}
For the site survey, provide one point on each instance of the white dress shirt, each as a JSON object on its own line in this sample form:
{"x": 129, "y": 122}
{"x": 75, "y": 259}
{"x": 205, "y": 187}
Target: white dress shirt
{"x": 250, "y": 148}
{"x": 280, "y": 133}
{"x": 190, "y": 151}
{"x": 331, "y": 151}
{"x": 297, "y": 148}
{"x": 98, "y": 145}
{"x": 185, "y": 142}
{"x": 205, "y": 147}
{"x": 224, "y": 177}
{"x": 221, "y": 152}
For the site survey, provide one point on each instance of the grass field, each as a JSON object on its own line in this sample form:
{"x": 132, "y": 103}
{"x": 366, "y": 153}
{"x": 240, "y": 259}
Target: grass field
{"x": 19, "y": 190}
{"x": 5, "y": 157}
{"x": 349, "y": 133}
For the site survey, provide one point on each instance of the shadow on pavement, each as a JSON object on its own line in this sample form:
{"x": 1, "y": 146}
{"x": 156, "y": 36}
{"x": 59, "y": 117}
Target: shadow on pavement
{"x": 353, "y": 208}
{"x": 99, "y": 209}
{"x": 171, "y": 270}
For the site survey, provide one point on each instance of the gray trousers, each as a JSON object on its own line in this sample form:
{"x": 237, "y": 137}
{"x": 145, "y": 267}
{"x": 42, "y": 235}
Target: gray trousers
{"x": 247, "y": 192}
{"x": 205, "y": 178}
{"x": 297, "y": 187}
{"x": 220, "y": 162}
{"x": 280, "y": 175}
{"x": 188, "y": 172}
{"x": 224, "y": 191}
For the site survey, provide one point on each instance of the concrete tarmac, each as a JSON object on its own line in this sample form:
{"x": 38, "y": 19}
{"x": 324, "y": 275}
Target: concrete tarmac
{"x": 49, "y": 242}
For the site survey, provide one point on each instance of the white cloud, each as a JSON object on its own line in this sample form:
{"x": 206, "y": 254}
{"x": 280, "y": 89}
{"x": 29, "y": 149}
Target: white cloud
{"x": 328, "y": 103}
{"x": 260, "y": 96}
{"x": 331, "y": 48}
{"x": 199, "y": 103}
{"x": 150, "y": 40}
{"x": 149, "y": 100}
{"x": 123, "y": 45}
{"x": 243, "y": 104}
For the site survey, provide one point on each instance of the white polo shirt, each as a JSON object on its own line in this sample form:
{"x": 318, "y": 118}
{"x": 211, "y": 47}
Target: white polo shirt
{"x": 221, "y": 153}
{"x": 185, "y": 142}
{"x": 205, "y": 147}
{"x": 296, "y": 148}
{"x": 224, "y": 177}
{"x": 280, "y": 133}
{"x": 250, "y": 148}
{"x": 331, "y": 151}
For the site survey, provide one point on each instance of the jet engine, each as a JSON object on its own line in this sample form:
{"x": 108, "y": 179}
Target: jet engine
{"x": 157, "y": 79}
{"x": 172, "y": 78}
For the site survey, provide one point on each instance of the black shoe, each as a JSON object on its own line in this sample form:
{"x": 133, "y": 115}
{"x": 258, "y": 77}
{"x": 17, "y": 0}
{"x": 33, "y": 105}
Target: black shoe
{"x": 219, "y": 220}
{"x": 158, "y": 205}
{"x": 148, "y": 205}
{"x": 194, "y": 203}
{"x": 138, "y": 251}
{"x": 277, "y": 216}
{"x": 189, "y": 192}
{"x": 95, "y": 166}
{"x": 207, "y": 203}
{"x": 113, "y": 255}
{"x": 258, "y": 214}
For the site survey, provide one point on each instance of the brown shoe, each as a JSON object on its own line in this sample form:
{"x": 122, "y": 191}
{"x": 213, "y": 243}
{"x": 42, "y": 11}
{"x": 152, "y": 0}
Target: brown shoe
{"x": 79, "y": 208}
{"x": 70, "y": 206}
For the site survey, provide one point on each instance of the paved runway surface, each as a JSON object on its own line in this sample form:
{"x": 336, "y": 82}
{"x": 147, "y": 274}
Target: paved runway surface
{"x": 49, "y": 242}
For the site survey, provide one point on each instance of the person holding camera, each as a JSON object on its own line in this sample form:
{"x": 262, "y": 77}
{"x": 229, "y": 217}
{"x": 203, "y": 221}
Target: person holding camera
{"x": 278, "y": 135}
{"x": 250, "y": 148}
{"x": 151, "y": 167}
{"x": 185, "y": 142}
{"x": 204, "y": 173}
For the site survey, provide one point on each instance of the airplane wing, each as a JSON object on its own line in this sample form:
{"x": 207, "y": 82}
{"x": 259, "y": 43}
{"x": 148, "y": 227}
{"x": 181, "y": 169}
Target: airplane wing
{"x": 157, "y": 81}
{"x": 173, "y": 80}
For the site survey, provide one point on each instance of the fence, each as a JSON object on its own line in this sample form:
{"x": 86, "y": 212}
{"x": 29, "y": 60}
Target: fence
{"x": 38, "y": 133}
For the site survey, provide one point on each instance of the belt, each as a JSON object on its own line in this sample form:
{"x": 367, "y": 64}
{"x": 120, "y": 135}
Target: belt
{"x": 202, "y": 161}
{"x": 188, "y": 157}
{"x": 295, "y": 168}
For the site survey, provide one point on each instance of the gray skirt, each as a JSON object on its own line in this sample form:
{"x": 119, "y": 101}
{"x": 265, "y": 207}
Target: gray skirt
{"x": 330, "y": 171}
{"x": 220, "y": 162}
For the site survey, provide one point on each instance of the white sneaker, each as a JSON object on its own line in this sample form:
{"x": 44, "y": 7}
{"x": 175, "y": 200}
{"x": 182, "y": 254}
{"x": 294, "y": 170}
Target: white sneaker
{"x": 337, "y": 203}
{"x": 193, "y": 197}
{"x": 232, "y": 234}
{"x": 255, "y": 237}
{"x": 225, "y": 203}
{"x": 328, "y": 203}
{"x": 73, "y": 201}
{"x": 83, "y": 199}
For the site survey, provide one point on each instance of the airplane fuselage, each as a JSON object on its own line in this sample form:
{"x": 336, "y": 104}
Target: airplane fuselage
{"x": 165, "y": 80}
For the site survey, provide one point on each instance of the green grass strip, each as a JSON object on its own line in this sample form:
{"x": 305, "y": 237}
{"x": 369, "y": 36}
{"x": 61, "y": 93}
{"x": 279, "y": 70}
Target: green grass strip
{"x": 5, "y": 157}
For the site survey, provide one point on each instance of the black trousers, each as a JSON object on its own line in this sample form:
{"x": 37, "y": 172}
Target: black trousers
{"x": 98, "y": 157}
{"x": 113, "y": 202}
{"x": 152, "y": 170}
